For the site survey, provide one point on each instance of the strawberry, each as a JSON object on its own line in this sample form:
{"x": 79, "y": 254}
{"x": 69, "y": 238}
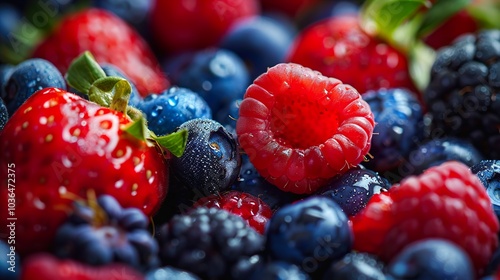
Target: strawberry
{"x": 47, "y": 267}
{"x": 338, "y": 47}
{"x": 291, "y": 8}
{"x": 446, "y": 201}
{"x": 110, "y": 40}
{"x": 179, "y": 26}
{"x": 300, "y": 128}
{"x": 60, "y": 146}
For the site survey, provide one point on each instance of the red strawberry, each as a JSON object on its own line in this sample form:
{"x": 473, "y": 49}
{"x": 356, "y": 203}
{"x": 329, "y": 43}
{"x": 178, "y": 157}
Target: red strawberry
{"x": 300, "y": 128}
{"x": 291, "y": 8}
{"x": 338, "y": 47}
{"x": 110, "y": 40}
{"x": 60, "y": 146}
{"x": 47, "y": 267}
{"x": 192, "y": 25}
{"x": 250, "y": 208}
{"x": 447, "y": 201}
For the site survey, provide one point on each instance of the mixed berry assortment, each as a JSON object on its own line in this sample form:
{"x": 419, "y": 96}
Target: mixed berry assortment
{"x": 249, "y": 139}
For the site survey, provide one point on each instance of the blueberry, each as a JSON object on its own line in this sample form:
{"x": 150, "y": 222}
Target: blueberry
{"x": 106, "y": 233}
{"x": 399, "y": 119}
{"x": 356, "y": 265}
{"x": 260, "y": 41}
{"x": 112, "y": 70}
{"x": 173, "y": 107}
{"x": 4, "y": 115}
{"x": 327, "y": 9}
{"x": 353, "y": 189}
{"x": 228, "y": 114}
{"x": 436, "y": 151}
{"x": 211, "y": 161}
{"x": 133, "y": 12}
{"x": 10, "y": 264}
{"x": 168, "y": 272}
{"x": 218, "y": 75}
{"x": 488, "y": 172}
{"x": 10, "y": 17}
{"x": 431, "y": 259}
{"x": 310, "y": 233}
{"x": 28, "y": 77}
{"x": 250, "y": 181}
{"x": 279, "y": 270}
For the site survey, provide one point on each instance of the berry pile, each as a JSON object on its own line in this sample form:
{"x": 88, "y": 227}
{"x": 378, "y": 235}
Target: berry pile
{"x": 249, "y": 139}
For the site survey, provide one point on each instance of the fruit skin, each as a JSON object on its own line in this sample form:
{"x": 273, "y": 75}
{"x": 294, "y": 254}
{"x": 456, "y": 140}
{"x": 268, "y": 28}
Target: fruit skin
{"x": 4, "y": 114}
{"x": 168, "y": 272}
{"x": 252, "y": 209}
{"x": 488, "y": 172}
{"x": 310, "y": 234}
{"x": 338, "y": 47}
{"x": 59, "y": 147}
{"x": 300, "y": 128}
{"x": 458, "y": 24}
{"x": 10, "y": 261}
{"x": 106, "y": 233}
{"x": 173, "y": 107}
{"x": 110, "y": 40}
{"x": 446, "y": 201}
{"x": 278, "y": 270}
{"x": 44, "y": 266}
{"x": 208, "y": 242}
{"x": 461, "y": 93}
{"x": 356, "y": 265}
{"x": 290, "y": 8}
{"x": 135, "y": 13}
{"x": 431, "y": 259}
{"x": 353, "y": 189}
{"x": 211, "y": 161}
{"x": 177, "y": 26}
{"x": 399, "y": 118}
{"x": 28, "y": 77}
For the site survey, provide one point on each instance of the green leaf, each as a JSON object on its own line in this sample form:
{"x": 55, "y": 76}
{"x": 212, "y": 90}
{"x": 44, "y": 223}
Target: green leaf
{"x": 83, "y": 72}
{"x": 174, "y": 142}
{"x": 112, "y": 92}
{"x": 487, "y": 14}
{"x": 138, "y": 129}
{"x": 439, "y": 13}
{"x": 421, "y": 58}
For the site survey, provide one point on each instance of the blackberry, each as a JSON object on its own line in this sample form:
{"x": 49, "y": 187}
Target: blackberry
{"x": 461, "y": 96}
{"x": 208, "y": 242}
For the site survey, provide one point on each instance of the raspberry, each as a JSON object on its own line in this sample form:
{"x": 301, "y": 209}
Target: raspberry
{"x": 447, "y": 201}
{"x": 300, "y": 128}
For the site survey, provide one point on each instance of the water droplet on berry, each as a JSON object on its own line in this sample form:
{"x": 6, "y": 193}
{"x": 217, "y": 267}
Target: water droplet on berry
{"x": 156, "y": 111}
{"x": 173, "y": 101}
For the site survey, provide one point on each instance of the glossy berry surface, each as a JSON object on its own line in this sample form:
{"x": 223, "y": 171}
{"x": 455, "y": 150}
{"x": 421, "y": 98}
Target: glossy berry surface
{"x": 260, "y": 41}
{"x": 211, "y": 161}
{"x": 104, "y": 233}
{"x": 338, "y": 47}
{"x": 208, "y": 242}
{"x": 434, "y": 152}
{"x": 299, "y": 127}
{"x": 28, "y": 77}
{"x": 173, "y": 107}
{"x": 353, "y": 189}
{"x": 399, "y": 118}
{"x": 446, "y": 201}
{"x": 168, "y": 272}
{"x": 4, "y": 114}
{"x": 279, "y": 270}
{"x": 356, "y": 265}
{"x": 431, "y": 259}
{"x": 252, "y": 209}
{"x": 461, "y": 95}
{"x": 488, "y": 172}
{"x": 300, "y": 232}
{"x": 218, "y": 75}
{"x": 228, "y": 114}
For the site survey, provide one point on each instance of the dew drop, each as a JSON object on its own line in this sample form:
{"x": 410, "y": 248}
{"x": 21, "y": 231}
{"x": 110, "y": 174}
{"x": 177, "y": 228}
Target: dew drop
{"x": 156, "y": 111}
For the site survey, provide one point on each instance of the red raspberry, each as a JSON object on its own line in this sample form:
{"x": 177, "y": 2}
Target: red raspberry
{"x": 446, "y": 201}
{"x": 300, "y": 128}
{"x": 252, "y": 209}
{"x": 338, "y": 47}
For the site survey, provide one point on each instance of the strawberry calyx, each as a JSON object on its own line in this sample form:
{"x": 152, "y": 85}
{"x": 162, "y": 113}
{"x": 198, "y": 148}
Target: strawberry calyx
{"x": 86, "y": 75}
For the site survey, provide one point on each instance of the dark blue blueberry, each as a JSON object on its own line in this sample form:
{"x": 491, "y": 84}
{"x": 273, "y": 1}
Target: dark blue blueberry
{"x": 28, "y": 77}
{"x": 436, "y": 151}
{"x": 327, "y": 9}
{"x": 10, "y": 263}
{"x": 356, "y": 265}
{"x": 211, "y": 161}
{"x": 173, "y": 107}
{"x": 279, "y": 270}
{"x": 310, "y": 233}
{"x": 168, "y": 272}
{"x": 354, "y": 188}
{"x": 112, "y": 70}
{"x": 260, "y": 41}
{"x": 228, "y": 114}
{"x": 399, "y": 125}
{"x": 4, "y": 115}
{"x": 218, "y": 75}
{"x": 10, "y": 17}
{"x": 494, "y": 263}
{"x": 431, "y": 259}
{"x": 488, "y": 172}
{"x": 246, "y": 266}
{"x": 133, "y": 12}
{"x": 250, "y": 181}
{"x": 107, "y": 233}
